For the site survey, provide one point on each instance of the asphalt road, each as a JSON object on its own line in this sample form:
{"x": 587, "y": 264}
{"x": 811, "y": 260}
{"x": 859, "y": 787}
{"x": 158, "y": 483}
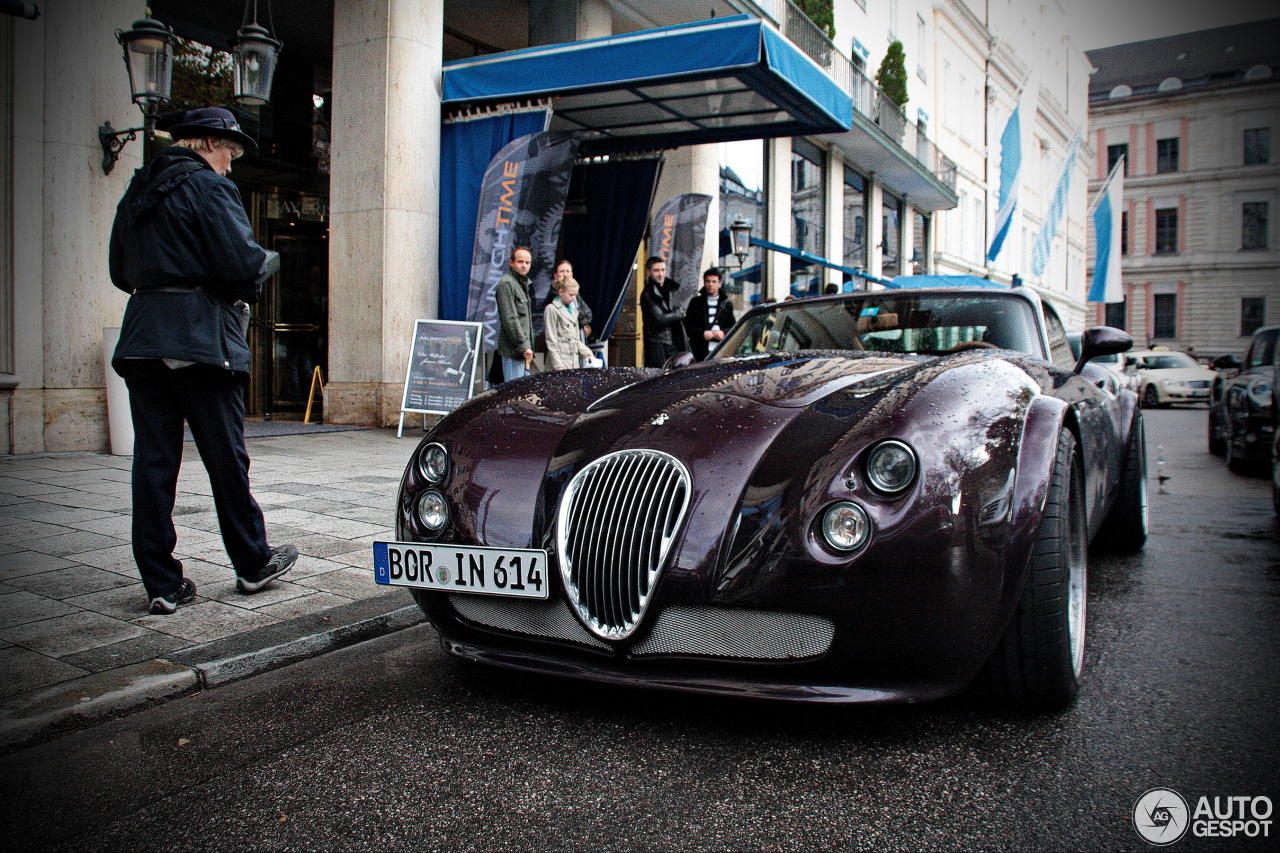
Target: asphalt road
{"x": 390, "y": 745}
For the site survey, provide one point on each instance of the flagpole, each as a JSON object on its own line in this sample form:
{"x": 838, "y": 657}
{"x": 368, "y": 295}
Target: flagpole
{"x": 1102, "y": 191}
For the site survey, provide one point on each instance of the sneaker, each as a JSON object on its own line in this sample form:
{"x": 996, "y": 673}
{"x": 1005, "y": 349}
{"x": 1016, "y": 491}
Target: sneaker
{"x": 282, "y": 560}
{"x": 162, "y": 605}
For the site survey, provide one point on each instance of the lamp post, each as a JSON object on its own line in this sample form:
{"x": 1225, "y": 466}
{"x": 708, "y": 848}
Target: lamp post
{"x": 148, "y": 57}
{"x": 740, "y": 236}
{"x": 255, "y": 52}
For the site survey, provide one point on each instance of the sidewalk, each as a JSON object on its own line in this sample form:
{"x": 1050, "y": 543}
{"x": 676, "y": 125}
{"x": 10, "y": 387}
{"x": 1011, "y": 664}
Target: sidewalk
{"x": 76, "y": 641}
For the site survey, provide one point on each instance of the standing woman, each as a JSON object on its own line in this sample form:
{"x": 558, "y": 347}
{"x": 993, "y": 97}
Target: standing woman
{"x": 565, "y": 348}
{"x": 564, "y": 272}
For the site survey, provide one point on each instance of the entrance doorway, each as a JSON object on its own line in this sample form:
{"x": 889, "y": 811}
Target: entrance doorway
{"x": 295, "y": 305}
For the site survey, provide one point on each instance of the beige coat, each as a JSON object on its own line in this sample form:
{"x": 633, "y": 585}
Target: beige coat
{"x": 564, "y": 346}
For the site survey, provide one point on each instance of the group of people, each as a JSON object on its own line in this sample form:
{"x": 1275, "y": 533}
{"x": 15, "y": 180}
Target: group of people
{"x": 670, "y": 328}
{"x": 566, "y": 319}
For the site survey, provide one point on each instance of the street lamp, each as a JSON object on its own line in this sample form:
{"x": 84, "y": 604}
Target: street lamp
{"x": 740, "y": 236}
{"x": 255, "y": 53}
{"x": 148, "y": 57}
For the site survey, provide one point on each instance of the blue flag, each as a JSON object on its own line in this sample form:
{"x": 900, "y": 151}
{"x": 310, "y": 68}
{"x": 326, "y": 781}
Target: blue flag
{"x": 1010, "y": 172}
{"x": 1107, "y": 285}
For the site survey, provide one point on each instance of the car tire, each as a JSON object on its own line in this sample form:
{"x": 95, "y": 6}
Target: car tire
{"x": 1275, "y": 481}
{"x": 1124, "y": 530}
{"x": 1216, "y": 445}
{"x": 1151, "y": 398}
{"x": 1234, "y": 463}
{"x": 1038, "y": 661}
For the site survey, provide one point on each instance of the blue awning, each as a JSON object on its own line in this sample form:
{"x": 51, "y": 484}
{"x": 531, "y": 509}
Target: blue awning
{"x": 810, "y": 258}
{"x": 946, "y": 281}
{"x": 710, "y": 81}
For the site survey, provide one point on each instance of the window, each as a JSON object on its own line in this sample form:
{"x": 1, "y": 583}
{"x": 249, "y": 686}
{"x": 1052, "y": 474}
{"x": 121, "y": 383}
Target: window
{"x": 891, "y": 236}
{"x": 920, "y": 46}
{"x": 1114, "y": 153}
{"x": 1253, "y": 226}
{"x": 1167, "y": 231}
{"x": 1124, "y": 237}
{"x": 920, "y": 242}
{"x": 855, "y": 219}
{"x": 1166, "y": 155}
{"x": 1253, "y": 312}
{"x": 808, "y": 218}
{"x": 1166, "y": 315}
{"x": 1257, "y": 146}
{"x": 1059, "y": 347}
{"x": 1116, "y": 316}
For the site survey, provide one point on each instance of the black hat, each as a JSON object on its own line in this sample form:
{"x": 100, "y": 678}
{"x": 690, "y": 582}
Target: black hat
{"x": 211, "y": 121}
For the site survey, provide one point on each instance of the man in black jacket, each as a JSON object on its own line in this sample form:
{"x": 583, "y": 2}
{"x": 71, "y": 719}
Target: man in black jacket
{"x": 183, "y": 248}
{"x": 710, "y": 315}
{"x": 662, "y": 314}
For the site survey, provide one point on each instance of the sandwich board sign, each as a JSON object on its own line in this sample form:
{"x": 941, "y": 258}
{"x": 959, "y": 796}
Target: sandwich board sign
{"x": 442, "y": 367}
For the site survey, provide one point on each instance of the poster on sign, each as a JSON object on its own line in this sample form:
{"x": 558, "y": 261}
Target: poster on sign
{"x": 442, "y": 367}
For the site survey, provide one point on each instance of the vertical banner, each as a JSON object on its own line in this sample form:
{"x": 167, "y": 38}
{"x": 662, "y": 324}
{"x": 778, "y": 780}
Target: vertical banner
{"x": 1010, "y": 178}
{"x": 521, "y": 203}
{"x": 677, "y": 236}
{"x": 1053, "y": 218}
{"x": 1107, "y": 285}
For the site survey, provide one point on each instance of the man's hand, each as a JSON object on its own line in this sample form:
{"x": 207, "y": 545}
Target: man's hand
{"x": 528, "y": 359}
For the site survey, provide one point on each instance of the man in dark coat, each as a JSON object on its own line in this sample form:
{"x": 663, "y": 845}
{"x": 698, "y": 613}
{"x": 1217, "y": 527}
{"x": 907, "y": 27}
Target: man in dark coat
{"x": 710, "y": 315}
{"x": 662, "y": 314}
{"x": 183, "y": 248}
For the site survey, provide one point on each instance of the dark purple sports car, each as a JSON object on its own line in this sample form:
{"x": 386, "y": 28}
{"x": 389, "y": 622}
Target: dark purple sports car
{"x": 872, "y": 497}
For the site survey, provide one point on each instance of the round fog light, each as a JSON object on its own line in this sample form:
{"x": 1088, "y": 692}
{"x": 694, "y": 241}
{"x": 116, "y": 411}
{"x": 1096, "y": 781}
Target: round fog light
{"x": 433, "y": 463}
{"x": 433, "y": 512}
{"x": 845, "y": 526}
{"x": 891, "y": 466}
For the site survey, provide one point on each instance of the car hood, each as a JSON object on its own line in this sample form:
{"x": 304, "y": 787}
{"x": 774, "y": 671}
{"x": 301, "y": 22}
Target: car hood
{"x": 785, "y": 380}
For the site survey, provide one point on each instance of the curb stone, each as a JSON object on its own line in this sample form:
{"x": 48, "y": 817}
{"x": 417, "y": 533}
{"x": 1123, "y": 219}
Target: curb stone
{"x": 46, "y": 712}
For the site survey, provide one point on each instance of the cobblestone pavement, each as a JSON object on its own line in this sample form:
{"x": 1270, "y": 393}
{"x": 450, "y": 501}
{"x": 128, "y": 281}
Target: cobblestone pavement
{"x": 72, "y": 605}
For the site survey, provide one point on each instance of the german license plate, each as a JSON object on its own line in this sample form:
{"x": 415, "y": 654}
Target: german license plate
{"x": 518, "y": 572}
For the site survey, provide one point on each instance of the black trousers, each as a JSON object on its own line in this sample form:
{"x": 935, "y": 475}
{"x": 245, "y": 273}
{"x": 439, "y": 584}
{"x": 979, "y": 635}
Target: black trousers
{"x": 211, "y": 401}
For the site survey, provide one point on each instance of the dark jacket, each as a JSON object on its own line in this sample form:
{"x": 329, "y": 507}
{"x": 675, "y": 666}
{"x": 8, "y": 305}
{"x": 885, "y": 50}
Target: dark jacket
{"x": 515, "y": 315}
{"x": 182, "y": 246}
{"x": 663, "y": 316}
{"x": 697, "y": 317}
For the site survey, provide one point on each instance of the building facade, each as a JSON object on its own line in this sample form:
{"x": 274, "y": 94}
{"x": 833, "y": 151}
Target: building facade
{"x": 1193, "y": 116}
{"x": 347, "y": 181}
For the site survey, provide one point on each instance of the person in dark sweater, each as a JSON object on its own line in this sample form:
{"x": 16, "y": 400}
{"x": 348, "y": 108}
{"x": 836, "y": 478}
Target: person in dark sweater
{"x": 710, "y": 315}
{"x": 662, "y": 314}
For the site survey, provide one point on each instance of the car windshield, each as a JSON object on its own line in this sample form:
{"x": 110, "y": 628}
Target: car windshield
{"x": 1168, "y": 361}
{"x": 898, "y": 322}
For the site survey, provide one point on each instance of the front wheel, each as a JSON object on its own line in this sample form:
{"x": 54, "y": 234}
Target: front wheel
{"x": 1125, "y": 527}
{"x": 1150, "y": 397}
{"x": 1038, "y": 661}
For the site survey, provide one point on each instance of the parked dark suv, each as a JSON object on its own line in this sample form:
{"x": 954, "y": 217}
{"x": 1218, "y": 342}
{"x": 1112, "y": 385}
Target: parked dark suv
{"x": 1242, "y": 419}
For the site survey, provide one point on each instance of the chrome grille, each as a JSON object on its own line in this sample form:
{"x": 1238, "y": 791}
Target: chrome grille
{"x": 618, "y": 519}
{"x": 743, "y": 634}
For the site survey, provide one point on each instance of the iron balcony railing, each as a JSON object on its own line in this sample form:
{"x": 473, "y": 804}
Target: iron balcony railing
{"x": 868, "y": 99}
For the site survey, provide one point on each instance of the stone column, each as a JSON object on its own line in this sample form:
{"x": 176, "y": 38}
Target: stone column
{"x": 385, "y": 200}
{"x": 906, "y": 234}
{"x": 69, "y": 77}
{"x": 694, "y": 169}
{"x": 834, "y": 226}
{"x": 778, "y": 265}
{"x": 875, "y": 226}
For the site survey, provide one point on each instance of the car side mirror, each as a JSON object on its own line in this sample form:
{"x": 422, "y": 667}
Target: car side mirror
{"x": 680, "y": 359}
{"x": 1230, "y": 361}
{"x": 1102, "y": 340}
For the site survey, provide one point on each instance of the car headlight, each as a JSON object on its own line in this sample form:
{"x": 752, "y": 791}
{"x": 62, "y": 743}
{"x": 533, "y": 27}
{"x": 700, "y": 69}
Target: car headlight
{"x": 433, "y": 463}
{"x": 845, "y": 526}
{"x": 433, "y": 511}
{"x": 1260, "y": 392}
{"x": 891, "y": 467}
